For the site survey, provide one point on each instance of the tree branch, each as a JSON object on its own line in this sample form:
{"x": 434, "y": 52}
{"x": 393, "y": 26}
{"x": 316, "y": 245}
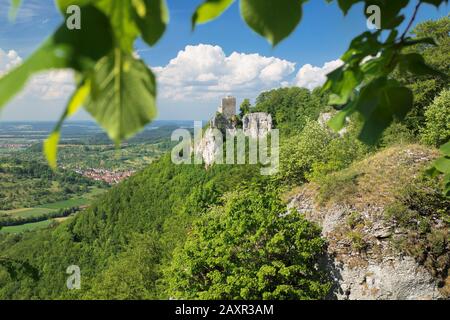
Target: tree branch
{"x": 416, "y": 9}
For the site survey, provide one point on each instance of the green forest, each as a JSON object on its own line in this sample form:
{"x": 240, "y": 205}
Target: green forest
{"x": 174, "y": 231}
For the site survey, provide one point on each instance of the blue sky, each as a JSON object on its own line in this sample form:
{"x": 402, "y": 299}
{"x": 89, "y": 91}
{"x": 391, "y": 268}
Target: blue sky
{"x": 195, "y": 68}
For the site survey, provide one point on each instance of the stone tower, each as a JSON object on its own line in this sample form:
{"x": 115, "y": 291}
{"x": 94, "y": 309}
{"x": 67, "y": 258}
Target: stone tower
{"x": 228, "y": 107}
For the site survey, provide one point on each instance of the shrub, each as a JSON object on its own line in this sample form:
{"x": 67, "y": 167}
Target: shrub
{"x": 437, "y": 125}
{"x": 298, "y": 153}
{"x": 397, "y": 133}
{"x": 249, "y": 248}
{"x": 338, "y": 155}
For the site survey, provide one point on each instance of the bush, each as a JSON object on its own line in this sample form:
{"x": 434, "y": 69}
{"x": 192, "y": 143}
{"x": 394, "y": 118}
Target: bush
{"x": 249, "y": 248}
{"x": 340, "y": 153}
{"x": 437, "y": 125}
{"x": 397, "y": 133}
{"x": 298, "y": 153}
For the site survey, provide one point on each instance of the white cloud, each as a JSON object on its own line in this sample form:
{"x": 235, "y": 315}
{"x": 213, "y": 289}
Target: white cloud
{"x": 50, "y": 85}
{"x": 204, "y": 72}
{"x": 8, "y": 60}
{"x": 311, "y": 77}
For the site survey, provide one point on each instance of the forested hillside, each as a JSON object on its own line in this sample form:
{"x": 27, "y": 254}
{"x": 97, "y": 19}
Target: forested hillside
{"x": 181, "y": 231}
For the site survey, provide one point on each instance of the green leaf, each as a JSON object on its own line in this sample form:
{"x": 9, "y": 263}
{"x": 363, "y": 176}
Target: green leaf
{"x": 274, "y": 20}
{"x": 151, "y": 17}
{"x": 364, "y": 45}
{"x": 380, "y": 102}
{"x": 64, "y": 4}
{"x": 122, "y": 19}
{"x": 50, "y": 146}
{"x": 123, "y": 92}
{"x": 415, "y": 63}
{"x": 443, "y": 164}
{"x": 412, "y": 42}
{"x": 210, "y": 10}
{"x": 345, "y": 5}
{"x": 15, "y": 4}
{"x": 76, "y": 49}
{"x": 445, "y": 148}
{"x": 447, "y": 185}
{"x": 342, "y": 84}
{"x": 390, "y": 12}
{"x": 339, "y": 120}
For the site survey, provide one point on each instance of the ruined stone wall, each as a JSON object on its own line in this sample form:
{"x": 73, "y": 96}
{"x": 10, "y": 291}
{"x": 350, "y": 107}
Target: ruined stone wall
{"x": 257, "y": 124}
{"x": 228, "y": 107}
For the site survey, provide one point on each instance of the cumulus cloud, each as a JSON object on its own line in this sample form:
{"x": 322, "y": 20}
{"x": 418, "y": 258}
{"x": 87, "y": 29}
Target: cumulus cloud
{"x": 311, "y": 77}
{"x": 8, "y": 60}
{"x": 51, "y": 85}
{"x": 203, "y": 72}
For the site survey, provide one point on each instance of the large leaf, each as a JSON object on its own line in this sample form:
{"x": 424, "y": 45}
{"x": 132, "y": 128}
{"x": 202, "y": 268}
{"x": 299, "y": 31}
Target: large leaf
{"x": 123, "y": 92}
{"x": 443, "y": 164}
{"x": 76, "y": 49}
{"x": 210, "y": 10}
{"x": 274, "y": 20}
{"x": 390, "y": 12}
{"x": 151, "y": 17}
{"x": 345, "y": 5}
{"x": 50, "y": 146}
{"x": 121, "y": 16}
{"x": 64, "y": 4}
{"x": 15, "y": 4}
{"x": 415, "y": 63}
{"x": 445, "y": 148}
{"x": 342, "y": 84}
{"x": 379, "y": 103}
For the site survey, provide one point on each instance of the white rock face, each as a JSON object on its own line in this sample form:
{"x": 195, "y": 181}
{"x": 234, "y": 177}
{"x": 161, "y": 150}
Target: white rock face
{"x": 257, "y": 124}
{"x": 380, "y": 274}
{"x": 209, "y": 147}
{"x": 396, "y": 277}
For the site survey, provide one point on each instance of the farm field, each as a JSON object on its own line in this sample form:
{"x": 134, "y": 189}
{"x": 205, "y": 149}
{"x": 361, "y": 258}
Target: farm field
{"x": 27, "y": 227}
{"x": 45, "y": 209}
{"x": 26, "y": 212}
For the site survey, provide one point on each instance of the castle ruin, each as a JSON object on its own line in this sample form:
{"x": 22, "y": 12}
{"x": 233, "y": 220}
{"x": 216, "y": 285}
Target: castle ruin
{"x": 228, "y": 107}
{"x": 253, "y": 125}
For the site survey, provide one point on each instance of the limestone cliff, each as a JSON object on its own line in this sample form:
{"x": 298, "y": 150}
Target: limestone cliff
{"x": 386, "y": 229}
{"x": 257, "y": 124}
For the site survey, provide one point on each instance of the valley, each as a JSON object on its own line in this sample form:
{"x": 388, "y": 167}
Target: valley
{"x": 32, "y": 196}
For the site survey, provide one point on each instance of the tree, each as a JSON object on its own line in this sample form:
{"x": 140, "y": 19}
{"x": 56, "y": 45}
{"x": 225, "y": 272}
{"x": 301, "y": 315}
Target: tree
{"x": 244, "y": 108}
{"x": 437, "y": 125}
{"x": 427, "y": 88}
{"x": 249, "y": 248}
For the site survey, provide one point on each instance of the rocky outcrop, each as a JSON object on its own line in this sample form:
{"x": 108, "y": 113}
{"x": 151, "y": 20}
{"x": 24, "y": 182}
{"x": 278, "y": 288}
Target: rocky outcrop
{"x": 380, "y": 272}
{"x": 208, "y": 147}
{"x": 324, "y": 118}
{"x": 362, "y": 257}
{"x": 257, "y": 124}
